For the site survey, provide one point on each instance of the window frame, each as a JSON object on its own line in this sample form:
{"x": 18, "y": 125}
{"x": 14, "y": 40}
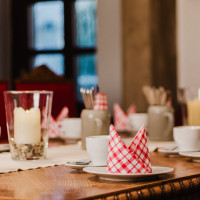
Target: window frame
{"x": 22, "y": 53}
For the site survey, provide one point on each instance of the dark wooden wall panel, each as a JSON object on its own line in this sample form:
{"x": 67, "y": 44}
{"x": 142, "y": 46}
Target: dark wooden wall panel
{"x": 163, "y": 38}
{"x": 149, "y": 47}
{"x": 136, "y": 51}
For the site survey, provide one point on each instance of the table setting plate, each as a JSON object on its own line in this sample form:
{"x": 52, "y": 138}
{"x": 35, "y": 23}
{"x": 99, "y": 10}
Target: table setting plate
{"x": 195, "y": 156}
{"x": 175, "y": 152}
{"x": 172, "y": 151}
{"x": 102, "y": 173}
{"x": 80, "y": 164}
{"x": 169, "y": 150}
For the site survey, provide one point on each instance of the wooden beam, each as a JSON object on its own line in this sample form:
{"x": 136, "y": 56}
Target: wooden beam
{"x": 163, "y": 44}
{"x": 149, "y": 48}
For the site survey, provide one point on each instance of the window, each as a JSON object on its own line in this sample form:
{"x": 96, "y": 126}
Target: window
{"x": 58, "y": 33}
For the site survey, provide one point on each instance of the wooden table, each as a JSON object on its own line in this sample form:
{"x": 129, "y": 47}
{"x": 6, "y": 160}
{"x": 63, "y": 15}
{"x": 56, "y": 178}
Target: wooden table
{"x": 61, "y": 182}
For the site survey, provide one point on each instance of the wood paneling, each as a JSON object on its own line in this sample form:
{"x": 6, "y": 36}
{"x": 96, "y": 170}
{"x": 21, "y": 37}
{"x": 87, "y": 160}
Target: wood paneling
{"x": 136, "y": 51}
{"x": 163, "y": 44}
{"x": 149, "y": 48}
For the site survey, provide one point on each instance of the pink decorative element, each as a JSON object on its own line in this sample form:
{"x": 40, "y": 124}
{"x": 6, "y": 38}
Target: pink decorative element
{"x": 131, "y": 109}
{"x": 63, "y": 114}
{"x": 132, "y": 159}
{"x": 53, "y": 129}
{"x": 54, "y": 126}
{"x": 120, "y": 118}
{"x": 100, "y": 102}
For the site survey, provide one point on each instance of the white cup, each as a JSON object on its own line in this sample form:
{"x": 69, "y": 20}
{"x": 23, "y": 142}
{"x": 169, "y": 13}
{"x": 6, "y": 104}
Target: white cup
{"x": 136, "y": 120}
{"x": 97, "y": 148}
{"x": 70, "y": 128}
{"x": 187, "y": 138}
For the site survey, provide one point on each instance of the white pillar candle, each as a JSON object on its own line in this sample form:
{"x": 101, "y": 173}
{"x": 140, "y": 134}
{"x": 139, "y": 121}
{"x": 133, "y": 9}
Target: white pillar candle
{"x": 27, "y": 125}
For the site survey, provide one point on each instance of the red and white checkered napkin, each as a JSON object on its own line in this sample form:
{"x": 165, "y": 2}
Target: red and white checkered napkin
{"x": 54, "y": 126}
{"x": 132, "y": 159}
{"x": 121, "y": 118}
{"x": 100, "y": 102}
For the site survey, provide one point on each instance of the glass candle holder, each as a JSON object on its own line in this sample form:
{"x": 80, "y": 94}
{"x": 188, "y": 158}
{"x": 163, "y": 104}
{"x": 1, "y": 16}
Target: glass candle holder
{"x": 28, "y": 118}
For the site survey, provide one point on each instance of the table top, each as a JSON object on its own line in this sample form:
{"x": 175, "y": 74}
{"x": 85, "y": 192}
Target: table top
{"x": 62, "y": 182}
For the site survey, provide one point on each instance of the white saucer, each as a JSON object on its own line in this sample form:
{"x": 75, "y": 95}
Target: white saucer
{"x": 169, "y": 150}
{"x": 195, "y": 156}
{"x": 73, "y": 165}
{"x": 102, "y": 173}
{"x": 175, "y": 152}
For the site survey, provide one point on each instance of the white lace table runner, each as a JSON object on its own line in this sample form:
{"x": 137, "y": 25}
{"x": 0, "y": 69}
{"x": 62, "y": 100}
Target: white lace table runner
{"x": 58, "y": 155}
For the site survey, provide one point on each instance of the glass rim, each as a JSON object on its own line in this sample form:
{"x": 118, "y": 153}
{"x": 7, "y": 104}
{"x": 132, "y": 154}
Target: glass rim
{"x": 28, "y": 92}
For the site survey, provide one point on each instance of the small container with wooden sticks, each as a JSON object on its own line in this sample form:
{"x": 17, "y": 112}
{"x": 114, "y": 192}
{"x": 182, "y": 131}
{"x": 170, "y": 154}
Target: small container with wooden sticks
{"x": 96, "y": 117}
{"x": 160, "y": 113}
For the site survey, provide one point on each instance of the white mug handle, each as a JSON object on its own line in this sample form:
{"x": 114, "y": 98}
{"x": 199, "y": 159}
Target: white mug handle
{"x": 170, "y": 124}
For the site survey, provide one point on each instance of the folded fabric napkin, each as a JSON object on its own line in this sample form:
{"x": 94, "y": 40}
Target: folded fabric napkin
{"x": 100, "y": 102}
{"x": 54, "y": 126}
{"x": 132, "y": 159}
{"x": 121, "y": 119}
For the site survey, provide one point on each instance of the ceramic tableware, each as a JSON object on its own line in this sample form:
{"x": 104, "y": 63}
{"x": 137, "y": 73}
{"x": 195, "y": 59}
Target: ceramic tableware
{"x": 187, "y": 138}
{"x": 70, "y": 128}
{"x": 102, "y": 173}
{"x": 136, "y": 120}
{"x": 160, "y": 123}
{"x": 97, "y": 148}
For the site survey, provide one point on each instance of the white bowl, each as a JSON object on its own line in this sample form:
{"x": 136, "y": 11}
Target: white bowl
{"x": 70, "y": 128}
